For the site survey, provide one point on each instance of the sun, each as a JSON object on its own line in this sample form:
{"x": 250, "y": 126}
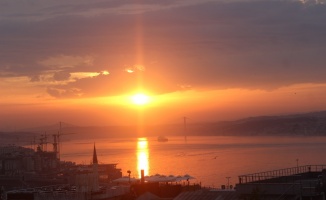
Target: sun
{"x": 140, "y": 99}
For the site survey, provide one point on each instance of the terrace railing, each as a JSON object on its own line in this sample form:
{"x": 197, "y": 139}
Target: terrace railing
{"x": 287, "y": 172}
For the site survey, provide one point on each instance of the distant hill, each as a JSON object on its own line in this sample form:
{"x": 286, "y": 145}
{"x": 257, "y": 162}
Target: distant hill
{"x": 51, "y": 129}
{"x": 307, "y": 124}
{"x": 299, "y": 124}
{"x": 313, "y": 123}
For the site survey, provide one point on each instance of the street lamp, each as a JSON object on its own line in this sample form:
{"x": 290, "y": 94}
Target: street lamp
{"x": 129, "y": 172}
{"x": 228, "y": 186}
{"x": 297, "y": 165}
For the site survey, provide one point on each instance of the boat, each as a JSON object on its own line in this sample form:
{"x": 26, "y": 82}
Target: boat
{"x": 162, "y": 139}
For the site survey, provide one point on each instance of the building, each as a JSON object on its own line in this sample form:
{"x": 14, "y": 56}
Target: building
{"x": 15, "y": 160}
{"x": 66, "y": 181}
{"x": 87, "y": 180}
{"x": 302, "y": 182}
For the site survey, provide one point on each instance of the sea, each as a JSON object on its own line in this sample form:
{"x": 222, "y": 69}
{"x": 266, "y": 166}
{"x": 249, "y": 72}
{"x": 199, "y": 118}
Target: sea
{"x": 211, "y": 161}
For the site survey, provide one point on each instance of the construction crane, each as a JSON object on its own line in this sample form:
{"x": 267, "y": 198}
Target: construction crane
{"x": 43, "y": 141}
{"x": 57, "y": 147}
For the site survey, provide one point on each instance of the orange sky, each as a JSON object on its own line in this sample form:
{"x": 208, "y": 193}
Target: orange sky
{"x": 198, "y": 105}
{"x": 207, "y": 60}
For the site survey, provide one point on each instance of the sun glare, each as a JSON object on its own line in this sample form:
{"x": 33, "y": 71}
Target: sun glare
{"x": 140, "y": 99}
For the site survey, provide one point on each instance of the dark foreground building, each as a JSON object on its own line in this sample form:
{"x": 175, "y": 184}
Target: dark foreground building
{"x": 302, "y": 182}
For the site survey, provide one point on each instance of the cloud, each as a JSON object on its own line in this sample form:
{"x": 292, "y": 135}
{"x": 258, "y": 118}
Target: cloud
{"x": 35, "y": 78}
{"x": 118, "y": 83}
{"x": 61, "y": 76}
{"x": 248, "y": 44}
{"x": 135, "y": 68}
{"x": 312, "y": 2}
{"x": 129, "y": 70}
{"x": 59, "y": 93}
{"x": 36, "y": 11}
{"x": 105, "y": 72}
{"x": 65, "y": 61}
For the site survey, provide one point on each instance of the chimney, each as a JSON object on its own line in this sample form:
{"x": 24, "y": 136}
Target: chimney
{"x": 142, "y": 177}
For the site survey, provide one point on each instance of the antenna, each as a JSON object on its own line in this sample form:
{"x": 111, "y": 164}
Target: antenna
{"x": 59, "y": 144}
{"x": 45, "y": 141}
{"x": 185, "y": 126}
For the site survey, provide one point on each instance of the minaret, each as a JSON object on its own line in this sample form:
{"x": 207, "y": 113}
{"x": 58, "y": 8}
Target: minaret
{"x": 95, "y": 185}
{"x": 94, "y": 156}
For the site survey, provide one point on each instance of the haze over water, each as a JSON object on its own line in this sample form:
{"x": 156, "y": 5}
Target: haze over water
{"x": 209, "y": 159}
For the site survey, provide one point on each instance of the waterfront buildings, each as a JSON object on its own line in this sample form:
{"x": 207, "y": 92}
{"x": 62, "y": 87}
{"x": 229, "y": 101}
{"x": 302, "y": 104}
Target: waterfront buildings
{"x": 41, "y": 175}
{"x": 29, "y": 174}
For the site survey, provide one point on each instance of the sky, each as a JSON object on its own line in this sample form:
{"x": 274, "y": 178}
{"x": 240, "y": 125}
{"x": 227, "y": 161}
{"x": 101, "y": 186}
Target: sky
{"x": 80, "y": 61}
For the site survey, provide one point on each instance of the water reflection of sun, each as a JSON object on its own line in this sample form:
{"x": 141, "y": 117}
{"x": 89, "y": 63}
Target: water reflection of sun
{"x": 142, "y": 156}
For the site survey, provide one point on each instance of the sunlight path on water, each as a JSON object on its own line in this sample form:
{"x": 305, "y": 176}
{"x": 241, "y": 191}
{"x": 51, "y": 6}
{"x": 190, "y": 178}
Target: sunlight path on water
{"x": 142, "y": 156}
